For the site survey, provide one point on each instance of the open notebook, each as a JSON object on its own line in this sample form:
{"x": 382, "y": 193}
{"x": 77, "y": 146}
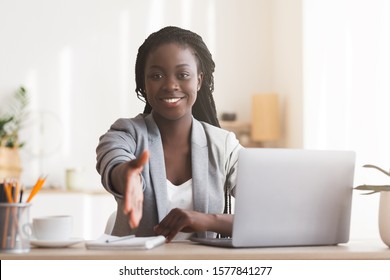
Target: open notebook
{"x": 291, "y": 197}
{"x": 110, "y": 242}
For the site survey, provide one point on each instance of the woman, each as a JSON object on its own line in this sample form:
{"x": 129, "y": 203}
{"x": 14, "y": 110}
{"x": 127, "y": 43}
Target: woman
{"x": 171, "y": 169}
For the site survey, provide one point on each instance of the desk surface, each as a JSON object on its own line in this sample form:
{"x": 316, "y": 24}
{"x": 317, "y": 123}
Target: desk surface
{"x": 374, "y": 249}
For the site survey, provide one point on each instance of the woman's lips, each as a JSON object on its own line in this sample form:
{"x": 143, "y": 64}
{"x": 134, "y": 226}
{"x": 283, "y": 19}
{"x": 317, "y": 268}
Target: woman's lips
{"x": 171, "y": 100}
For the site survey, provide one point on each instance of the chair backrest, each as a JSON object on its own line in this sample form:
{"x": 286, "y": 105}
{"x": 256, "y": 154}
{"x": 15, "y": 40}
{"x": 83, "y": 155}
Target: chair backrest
{"x": 110, "y": 223}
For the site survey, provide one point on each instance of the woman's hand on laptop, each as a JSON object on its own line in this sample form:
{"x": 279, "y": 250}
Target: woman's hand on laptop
{"x": 181, "y": 220}
{"x": 191, "y": 221}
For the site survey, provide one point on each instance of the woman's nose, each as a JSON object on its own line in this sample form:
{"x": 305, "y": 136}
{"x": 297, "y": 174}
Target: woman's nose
{"x": 171, "y": 84}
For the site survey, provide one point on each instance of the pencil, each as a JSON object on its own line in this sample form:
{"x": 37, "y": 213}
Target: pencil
{"x": 36, "y": 188}
{"x": 17, "y": 190}
{"x": 7, "y": 214}
{"x": 2, "y": 193}
{"x": 5, "y": 232}
{"x": 8, "y": 192}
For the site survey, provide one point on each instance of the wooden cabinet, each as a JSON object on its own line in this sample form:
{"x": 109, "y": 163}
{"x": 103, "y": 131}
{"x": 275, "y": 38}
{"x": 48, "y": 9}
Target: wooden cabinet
{"x": 242, "y": 131}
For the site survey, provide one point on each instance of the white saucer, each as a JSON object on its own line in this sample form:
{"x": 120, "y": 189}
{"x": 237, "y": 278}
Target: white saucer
{"x": 55, "y": 243}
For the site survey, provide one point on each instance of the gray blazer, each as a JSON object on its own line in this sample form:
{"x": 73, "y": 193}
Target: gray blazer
{"x": 214, "y": 165}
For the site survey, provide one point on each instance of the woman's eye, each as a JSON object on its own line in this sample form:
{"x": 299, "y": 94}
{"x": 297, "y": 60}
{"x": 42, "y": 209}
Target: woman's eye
{"x": 156, "y": 76}
{"x": 183, "y": 75}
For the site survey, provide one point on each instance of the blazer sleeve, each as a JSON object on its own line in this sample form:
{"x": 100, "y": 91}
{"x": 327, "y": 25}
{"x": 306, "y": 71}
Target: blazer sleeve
{"x": 117, "y": 145}
{"x": 232, "y": 147}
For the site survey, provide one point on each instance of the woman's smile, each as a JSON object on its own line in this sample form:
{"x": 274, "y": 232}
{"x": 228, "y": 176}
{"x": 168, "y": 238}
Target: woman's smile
{"x": 171, "y": 100}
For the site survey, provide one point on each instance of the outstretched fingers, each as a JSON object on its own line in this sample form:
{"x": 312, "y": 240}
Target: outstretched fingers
{"x": 133, "y": 200}
{"x": 141, "y": 161}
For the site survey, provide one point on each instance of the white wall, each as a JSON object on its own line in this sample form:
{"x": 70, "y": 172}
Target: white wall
{"x": 346, "y": 98}
{"x": 77, "y": 58}
{"x": 287, "y": 68}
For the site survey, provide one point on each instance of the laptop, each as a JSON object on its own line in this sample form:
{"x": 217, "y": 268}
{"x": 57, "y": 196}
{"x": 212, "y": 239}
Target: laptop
{"x": 291, "y": 197}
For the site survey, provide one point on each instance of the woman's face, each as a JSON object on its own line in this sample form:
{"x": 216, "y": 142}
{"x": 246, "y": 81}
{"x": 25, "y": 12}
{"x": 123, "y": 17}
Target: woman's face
{"x": 172, "y": 81}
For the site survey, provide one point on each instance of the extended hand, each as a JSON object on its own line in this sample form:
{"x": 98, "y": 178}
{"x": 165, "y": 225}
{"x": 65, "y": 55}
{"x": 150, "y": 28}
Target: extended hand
{"x": 133, "y": 193}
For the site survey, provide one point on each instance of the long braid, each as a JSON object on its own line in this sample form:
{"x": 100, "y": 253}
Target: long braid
{"x": 204, "y": 107}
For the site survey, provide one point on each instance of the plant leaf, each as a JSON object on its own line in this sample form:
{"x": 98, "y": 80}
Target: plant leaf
{"x": 369, "y": 193}
{"x": 378, "y": 168}
{"x": 374, "y": 188}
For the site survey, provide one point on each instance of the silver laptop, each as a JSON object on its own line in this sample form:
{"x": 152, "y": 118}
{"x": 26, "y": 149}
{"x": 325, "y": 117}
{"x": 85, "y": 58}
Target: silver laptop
{"x": 288, "y": 197}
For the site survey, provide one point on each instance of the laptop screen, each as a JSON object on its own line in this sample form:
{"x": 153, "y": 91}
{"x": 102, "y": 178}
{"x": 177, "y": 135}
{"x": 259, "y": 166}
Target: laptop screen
{"x": 291, "y": 197}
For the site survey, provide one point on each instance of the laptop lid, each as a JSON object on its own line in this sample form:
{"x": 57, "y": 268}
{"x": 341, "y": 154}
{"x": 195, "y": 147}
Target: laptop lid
{"x": 288, "y": 197}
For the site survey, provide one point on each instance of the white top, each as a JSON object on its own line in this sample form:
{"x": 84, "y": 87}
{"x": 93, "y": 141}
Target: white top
{"x": 180, "y": 197}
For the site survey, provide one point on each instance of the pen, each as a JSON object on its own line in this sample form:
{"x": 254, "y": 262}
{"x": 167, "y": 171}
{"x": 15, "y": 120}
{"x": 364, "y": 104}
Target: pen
{"x": 21, "y": 194}
{"x": 120, "y": 238}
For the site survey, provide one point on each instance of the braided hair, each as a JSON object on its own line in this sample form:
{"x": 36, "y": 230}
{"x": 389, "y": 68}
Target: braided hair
{"x": 204, "y": 106}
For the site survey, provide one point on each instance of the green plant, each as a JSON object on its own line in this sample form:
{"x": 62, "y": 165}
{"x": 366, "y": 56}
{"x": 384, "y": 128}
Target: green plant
{"x": 374, "y": 188}
{"x": 11, "y": 121}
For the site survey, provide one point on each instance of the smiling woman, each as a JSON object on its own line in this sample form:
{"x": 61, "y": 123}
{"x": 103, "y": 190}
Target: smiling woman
{"x": 171, "y": 169}
{"x": 193, "y": 45}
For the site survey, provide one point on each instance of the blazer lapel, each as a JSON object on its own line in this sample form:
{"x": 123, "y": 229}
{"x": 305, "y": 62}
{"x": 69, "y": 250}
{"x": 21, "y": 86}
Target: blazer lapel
{"x": 157, "y": 163}
{"x": 199, "y": 167}
{"x": 199, "y": 155}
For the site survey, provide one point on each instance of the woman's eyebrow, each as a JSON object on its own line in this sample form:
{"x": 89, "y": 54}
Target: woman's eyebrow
{"x": 162, "y": 67}
{"x": 182, "y": 65}
{"x": 155, "y": 66}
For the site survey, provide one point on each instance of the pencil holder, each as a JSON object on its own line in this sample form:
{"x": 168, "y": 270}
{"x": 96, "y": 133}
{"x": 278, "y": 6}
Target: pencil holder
{"x": 15, "y": 228}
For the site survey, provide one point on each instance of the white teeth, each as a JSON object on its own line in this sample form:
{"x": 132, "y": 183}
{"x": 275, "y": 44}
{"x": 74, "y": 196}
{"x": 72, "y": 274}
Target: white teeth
{"x": 171, "y": 100}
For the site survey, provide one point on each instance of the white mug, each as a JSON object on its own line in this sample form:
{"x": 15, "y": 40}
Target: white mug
{"x": 58, "y": 228}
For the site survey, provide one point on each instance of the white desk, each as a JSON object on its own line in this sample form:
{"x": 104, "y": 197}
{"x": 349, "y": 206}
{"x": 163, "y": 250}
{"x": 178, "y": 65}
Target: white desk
{"x": 355, "y": 250}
